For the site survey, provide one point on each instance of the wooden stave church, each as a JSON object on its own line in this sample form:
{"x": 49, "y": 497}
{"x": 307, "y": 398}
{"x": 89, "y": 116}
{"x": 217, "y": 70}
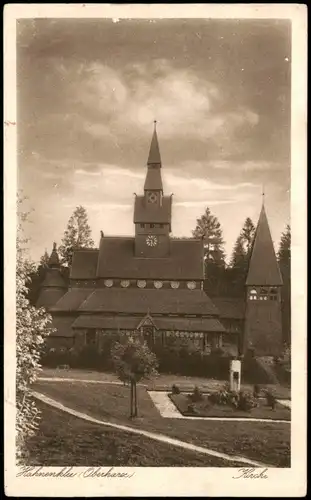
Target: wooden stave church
{"x": 152, "y": 284}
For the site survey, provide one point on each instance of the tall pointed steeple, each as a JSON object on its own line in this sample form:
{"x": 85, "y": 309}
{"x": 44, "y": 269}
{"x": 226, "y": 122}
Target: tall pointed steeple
{"x": 153, "y": 180}
{"x": 54, "y": 259}
{"x": 154, "y": 157}
{"x": 263, "y": 268}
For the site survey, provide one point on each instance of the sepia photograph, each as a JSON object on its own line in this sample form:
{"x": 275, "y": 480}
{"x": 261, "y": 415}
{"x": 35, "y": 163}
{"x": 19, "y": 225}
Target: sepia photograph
{"x": 153, "y": 246}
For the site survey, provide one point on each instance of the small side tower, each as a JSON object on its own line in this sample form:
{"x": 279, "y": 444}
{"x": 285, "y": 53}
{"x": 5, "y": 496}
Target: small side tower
{"x": 53, "y": 286}
{"x": 263, "y": 318}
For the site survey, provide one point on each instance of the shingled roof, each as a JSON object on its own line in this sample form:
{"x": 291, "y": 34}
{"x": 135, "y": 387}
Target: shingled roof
{"x": 146, "y": 213}
{"x": 49, "y": 296}
{"x": 84, "y": 264}
{"x": 154, "y": 157}
{"x": 153, "y": 180}
{"x": 263, "y": 267}
{"x": 53, "y": 279}
{"x": 71, "y": 300}
{"x": 63, "y": 326}
{"x": 139, "y": 301}
{"x": 230, "y": 308}
{"x": 117, "y": 260}
{"x": 131, "y": 323}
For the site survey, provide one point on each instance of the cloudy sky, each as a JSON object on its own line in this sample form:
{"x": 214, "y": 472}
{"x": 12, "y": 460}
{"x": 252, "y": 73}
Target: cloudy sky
{"x": 89, "y": 90}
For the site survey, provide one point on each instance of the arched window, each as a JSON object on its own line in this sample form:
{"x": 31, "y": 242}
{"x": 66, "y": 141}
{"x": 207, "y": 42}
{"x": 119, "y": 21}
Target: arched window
{"x": 253, "y": 294}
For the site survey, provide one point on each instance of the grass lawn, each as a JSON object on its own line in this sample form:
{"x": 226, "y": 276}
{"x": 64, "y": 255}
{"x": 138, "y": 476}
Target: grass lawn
{"x": 161, "y": 382}
{"x": 65, "y": 440}
{"x": 265, "y": 442}
{"x": 205, "y": 408}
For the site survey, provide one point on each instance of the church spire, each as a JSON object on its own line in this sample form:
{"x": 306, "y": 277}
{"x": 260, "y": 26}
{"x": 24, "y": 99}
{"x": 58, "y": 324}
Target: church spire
{"x": 54, "y": 259}
{"x": 154, "y": 152}
{"x": 153, "y": 180}
{"x": 263, "y": 267}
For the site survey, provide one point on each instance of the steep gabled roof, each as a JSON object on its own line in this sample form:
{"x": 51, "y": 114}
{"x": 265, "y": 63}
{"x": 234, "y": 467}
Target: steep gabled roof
{"x": 84, "y": 264}
{"x": 53, "y": 279}
{"x": 127, "y": 301}
{"x": 263, "y": 268}
{"x": 117, "y": 260}
{"x": 230, "y": 308}
{"x": 71, "y": 300}
{"x": 132, "y": 323}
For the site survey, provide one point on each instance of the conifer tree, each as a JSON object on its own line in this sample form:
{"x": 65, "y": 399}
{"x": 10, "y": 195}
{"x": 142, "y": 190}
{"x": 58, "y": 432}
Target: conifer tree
{"x": 241, "y": 255}
{"x": 209, "y": 229}
{"x": 77, "y": 235}
{"x": 44, "y": 259}
{"x": 284, "y": 259}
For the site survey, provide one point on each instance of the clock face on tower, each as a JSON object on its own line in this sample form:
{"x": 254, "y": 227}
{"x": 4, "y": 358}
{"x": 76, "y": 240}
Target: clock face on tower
{"x": 151, "y": 241}
{"x": 152, "y": 197}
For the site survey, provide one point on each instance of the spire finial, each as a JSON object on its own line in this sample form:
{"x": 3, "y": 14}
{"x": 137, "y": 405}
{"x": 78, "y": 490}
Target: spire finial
{"x": 263, "y": 194}
{"x": 155, "y": 124}
{"x": 54, "y": 246}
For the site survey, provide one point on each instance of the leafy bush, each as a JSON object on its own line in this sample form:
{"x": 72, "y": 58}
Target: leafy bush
{"x": 191, "y": 408}
{"x": 175, "y": 389}
{"x": 240, "y": 401}
{"x": 246, "y": 401}
{"x": 197, "y": 395}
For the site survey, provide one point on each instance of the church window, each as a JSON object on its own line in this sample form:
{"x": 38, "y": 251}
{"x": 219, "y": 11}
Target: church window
{"x": 191, "y": 285}
{"x": 125, "y": 283}
{"x": 141, "y": 283}
{"x": 158, "y": 284}
{"x": 142, "y": 226}
{"x": 175, "y": 284}
{"x": 108, "y": 283}
{"x": 161, "y": 226}
{"x": 253, "y": 294}
{"x": 151, "y": 226}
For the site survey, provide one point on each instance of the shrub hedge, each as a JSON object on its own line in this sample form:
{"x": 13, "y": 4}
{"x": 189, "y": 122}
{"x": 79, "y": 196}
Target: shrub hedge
{"x": 171, "y": 360}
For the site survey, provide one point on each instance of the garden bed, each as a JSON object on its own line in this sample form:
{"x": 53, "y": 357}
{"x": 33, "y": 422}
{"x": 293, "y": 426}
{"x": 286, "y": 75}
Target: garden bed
{"x": 205, "y": 408}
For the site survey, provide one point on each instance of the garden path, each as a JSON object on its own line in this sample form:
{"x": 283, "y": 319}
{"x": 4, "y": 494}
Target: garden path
{"x": 158, "y": 437}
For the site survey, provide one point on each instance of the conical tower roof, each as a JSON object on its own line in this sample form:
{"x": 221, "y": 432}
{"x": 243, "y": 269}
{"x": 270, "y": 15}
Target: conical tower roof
{"x": 153, "y": 180}
{"x": 154, "y": 157}
{"x": 54, "y": 259}
{"x": 263, "y": 267}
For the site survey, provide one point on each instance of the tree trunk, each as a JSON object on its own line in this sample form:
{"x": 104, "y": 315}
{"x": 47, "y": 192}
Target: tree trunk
{"x": 135, "y": 400}
{"x": 131, "y": 403}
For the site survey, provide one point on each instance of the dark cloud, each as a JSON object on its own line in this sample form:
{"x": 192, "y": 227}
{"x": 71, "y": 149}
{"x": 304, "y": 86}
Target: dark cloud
{"x": 89, "y": 89}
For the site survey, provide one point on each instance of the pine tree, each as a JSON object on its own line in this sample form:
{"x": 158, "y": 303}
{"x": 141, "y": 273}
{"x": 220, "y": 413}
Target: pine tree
{"x": 209, "y": 229}
{"x": 44, "y": 259}
{"x": 77, "y": 235}
{"x": 284, "y": 253}
{"x": 32, "y": 326}
{"x": 284, "y": 259}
